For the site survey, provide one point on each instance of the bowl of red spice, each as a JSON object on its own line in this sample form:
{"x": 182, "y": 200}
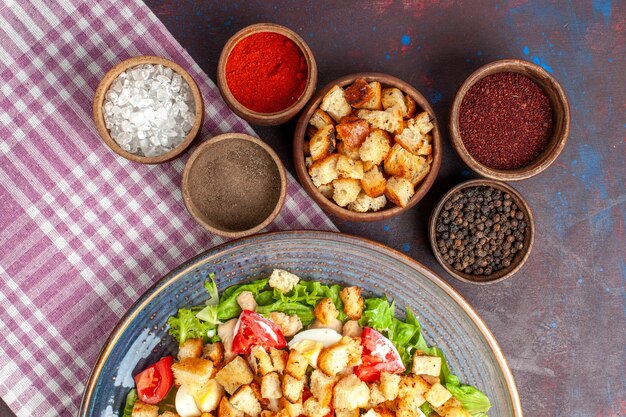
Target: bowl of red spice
{"x": 509, "y": 120}
{"x": 266, "y": 74}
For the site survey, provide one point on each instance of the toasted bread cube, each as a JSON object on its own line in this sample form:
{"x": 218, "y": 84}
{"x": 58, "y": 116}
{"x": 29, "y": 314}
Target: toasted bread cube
{"x": 214, "y": 352}
{"x": 292, "y": 409}
{"x": 373, "y": 183}
{"x": 270, "y": 386}
{"x": 426, "y": 365}
{"x": 389, "y": 384}
{"x": 320, "y": 118}
{"x": 283, "y": 281}
{"x": 375, "y": 103}
{"x": 262, "y": 360}
{"x": 292, "y": 387}
{"x": 321, "y": 387}
{"x": 322, "y": 143}
{"x": 308, "y": 162}
{"x": 309, "y": 132}
{"x": 431, "y": 379}
{"x": 349, "y": 168}
{"x": 359, "y": 93}
{"x": 457, "y": 412}
{"x": 390, "y": 120}
{"x": 324, "y": 170}
{"x": 246, "y": 301}
{"x": 411, "y": 395}
{"x": 365, "y": 203}
{"x": 411, "y": 106}
{"x": 192, "y": 372}
{"x": 403, "y": 164}
{"x": 312, "y": 408}
{"x": 376, "y": 395}
{"x": 371, "y": 413}
{"x": 235, "y": 374}
{"x": 306, "y": 146}
{"x": 348, "y": 413}
{"x": 399, "y": 191}
{"x": 393, "y": 98}
{"x": 325, "y": 311}
{"x": 448, "y": 406}
{"x": 141, "y": 409}
{"x": 334, "y": 359}
{"x": 172, "y": 414}
{"x": 246, "y": 401}
{"x": 355, "y": 349}
{"x": 352, "y": 131}
{"x": 386, "y": 410}
{"x": 226, "y": 409}
{"x": 296, "y": 364}
{"x": 327, "y": 190}
{"x": 352, "y": 302}
{"x": 376, "y": 146}
{"x": 346, "y": 190}
{"x": 350, "y": 393}
{"x": 279, "y": 359}
{"x": 352, "y": 328}
{"x": 289, "y": 325}
{"x": 414, "y": 137}
{"x": 192, "y": 348}
{"x": 349, "y": 152}
{"x": 268, "y": 413}
{"x": 334, "y": 103}
{"x": 437, "y": 395}
{"x": 367, "y": 165}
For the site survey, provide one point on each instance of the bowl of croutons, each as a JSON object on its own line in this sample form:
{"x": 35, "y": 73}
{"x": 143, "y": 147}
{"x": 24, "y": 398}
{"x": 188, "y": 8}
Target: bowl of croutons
{"x": 367, "y": 147}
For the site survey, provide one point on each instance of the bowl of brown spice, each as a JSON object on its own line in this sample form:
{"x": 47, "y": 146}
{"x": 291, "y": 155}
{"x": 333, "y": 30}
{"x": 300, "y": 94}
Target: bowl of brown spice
{"x": 481, "y": 231}
{"x": 234, "y": 185}
{"x": 509, "y": 120}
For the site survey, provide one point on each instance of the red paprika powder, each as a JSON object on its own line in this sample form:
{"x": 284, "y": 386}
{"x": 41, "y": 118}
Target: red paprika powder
{"x": 266, "y": 72}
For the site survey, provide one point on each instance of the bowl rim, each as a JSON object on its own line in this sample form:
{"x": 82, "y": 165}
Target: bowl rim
{"x": 521, "y": 202}
{"x": 510, "y": 65}
{"x": 190, "y": 206}
{"x": 106, "y": 82}
{"x": 192, "y": 263}
{"x": 330, "y": 206}
{"x": 266, "y": 119}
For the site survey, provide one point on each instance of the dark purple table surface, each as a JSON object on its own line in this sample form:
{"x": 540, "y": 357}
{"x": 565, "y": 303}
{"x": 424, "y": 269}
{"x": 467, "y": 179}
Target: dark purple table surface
{"x": 561, "y": 321}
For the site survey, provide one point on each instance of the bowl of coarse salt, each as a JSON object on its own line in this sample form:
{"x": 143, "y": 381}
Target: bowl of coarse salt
{"x": 148, "y": 109}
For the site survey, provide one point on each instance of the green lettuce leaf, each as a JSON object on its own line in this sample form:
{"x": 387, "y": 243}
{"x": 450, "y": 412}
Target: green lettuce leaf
{"x": 473, "y": 400}
{"x": 426, "y": 409}
{"x": 378, "y": 313}
{"x": 303, "y": 311}
{"x": 185, "y": 325}
{"x": 211, "y": 288}
{"x": 228, "y": 307}
{"x": 131, "y": 399}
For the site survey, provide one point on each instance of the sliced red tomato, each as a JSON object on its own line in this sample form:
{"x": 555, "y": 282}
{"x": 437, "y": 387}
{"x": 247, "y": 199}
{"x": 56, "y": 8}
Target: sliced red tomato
{"x": 379, "y": 355}
{"x": 154, "y": 382}
{"x": 254, "y": 329}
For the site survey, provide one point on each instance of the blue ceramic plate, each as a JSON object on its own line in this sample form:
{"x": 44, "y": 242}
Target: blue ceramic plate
{"x": 447, "y": 319}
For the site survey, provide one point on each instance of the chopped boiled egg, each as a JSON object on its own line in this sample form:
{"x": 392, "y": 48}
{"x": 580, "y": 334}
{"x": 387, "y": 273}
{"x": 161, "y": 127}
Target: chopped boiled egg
{"x": 186, "y": 404}
{"x": 327, "y": 337}
{"x": 309, "y": 349}
{"x": 208, "y": 398}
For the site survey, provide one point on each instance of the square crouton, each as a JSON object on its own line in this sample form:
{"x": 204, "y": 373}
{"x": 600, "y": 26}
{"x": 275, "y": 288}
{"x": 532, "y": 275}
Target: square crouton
{"x": 246, "y": 401}
{"x": 375, "y": 103}
{"x": 349, "y": 152}
{"x": 349, "y": 168}
{"x": 306, "y": 146}
{"x": 350, "y": 393}
{"x": 308, "y": 162}
{"x": 376, "y": 395}
{"x": 402, "y": 163}
{"x": 399, "y": 191}
{"x": 394, "y": 99}
{"x": 226, "y": 409}
{"x": 312, "y": 408}
{"x": 322, "y": 143}
{"x": 283, "y": 281}
{"x": 292, "y": 387}
{"x": 297, "y": 364}
{"x": 279, "y": 359}
{"x": 267, "y": 413}
{"x": 321, "y": 387}
{"x": 359, "y": 93}
{"x": 214, "y": 352}
{"x": 327, "y": 190}
{"x": 192, "y": 372}
{"x": 141, "y": 409}
{"x": 325, "y": 311}
{"x": 334, "y": 103}
{"x": 426, "y": 365}
{"x": 414, "y": 137}
{"x": 352, "y": 131}
{"x": 192, "y": 348}
{"x": 411, "y": 395}
{"x": 389, "y": 384}
{"x": 411, "y": 106}
{"x": 371, "y": 413}
{"x": 320, "y": 118}
{"x": 355, "y": 349}
{"x": 262, "y": 360}
{"x": 334, "y": 359}
{"x": 235, "y": 374}
{"x": 365, "y": 203}
{"x": 352, "y": 302}
{"x": 448, "y": 407}
{"x": 458, "y": 412}
{"x": 437, "y": 395}
{"x": 375, "y": 147}
{"x": 386, "y": 410}
{"x": 270, "y": 386}
{"x": 390, "y": 120}
{"x": 348, "y": 413}
{"x": 292, "y": 409}
{"x": 346, "y": 191}
{"x": 324, "y": 170}
{"x": 373, "y": 183}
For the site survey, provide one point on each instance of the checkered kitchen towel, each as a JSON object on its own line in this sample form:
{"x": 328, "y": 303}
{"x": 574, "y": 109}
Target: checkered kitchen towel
{"x": 83, "y": 232}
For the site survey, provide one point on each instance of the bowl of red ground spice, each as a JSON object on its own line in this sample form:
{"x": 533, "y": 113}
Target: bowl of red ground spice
{"x": 509, "y": 120}
{"x": 266, "y": 74}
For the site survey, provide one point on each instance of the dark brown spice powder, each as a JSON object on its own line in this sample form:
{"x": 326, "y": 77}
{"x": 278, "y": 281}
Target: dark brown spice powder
{"x": 505, "y": 121}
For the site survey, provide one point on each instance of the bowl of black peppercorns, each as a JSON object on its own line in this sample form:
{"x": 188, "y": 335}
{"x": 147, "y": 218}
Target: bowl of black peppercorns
{"x": 482, "y": 231}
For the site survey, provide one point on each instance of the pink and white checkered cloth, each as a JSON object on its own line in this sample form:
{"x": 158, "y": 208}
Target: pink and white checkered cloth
{"x": 83, "y": 232}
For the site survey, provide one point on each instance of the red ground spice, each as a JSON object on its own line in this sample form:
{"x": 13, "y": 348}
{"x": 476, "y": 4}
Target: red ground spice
{"x": 266, "y": 72}
{"x": 505, "y": 121}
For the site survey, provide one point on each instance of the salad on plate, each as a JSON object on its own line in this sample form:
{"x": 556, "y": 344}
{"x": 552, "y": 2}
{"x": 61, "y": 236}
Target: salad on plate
{"x": 285, "y": 347}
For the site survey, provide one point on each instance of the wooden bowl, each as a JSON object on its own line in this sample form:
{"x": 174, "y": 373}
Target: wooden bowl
{"x": 266, "y": 119}
{"x": 560, "y": 119}
{"x": 520, "y": 257}
{"x": 329, "y": 205}
{"x": 103, "y": 87}
{"x": 234, "y": 185}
